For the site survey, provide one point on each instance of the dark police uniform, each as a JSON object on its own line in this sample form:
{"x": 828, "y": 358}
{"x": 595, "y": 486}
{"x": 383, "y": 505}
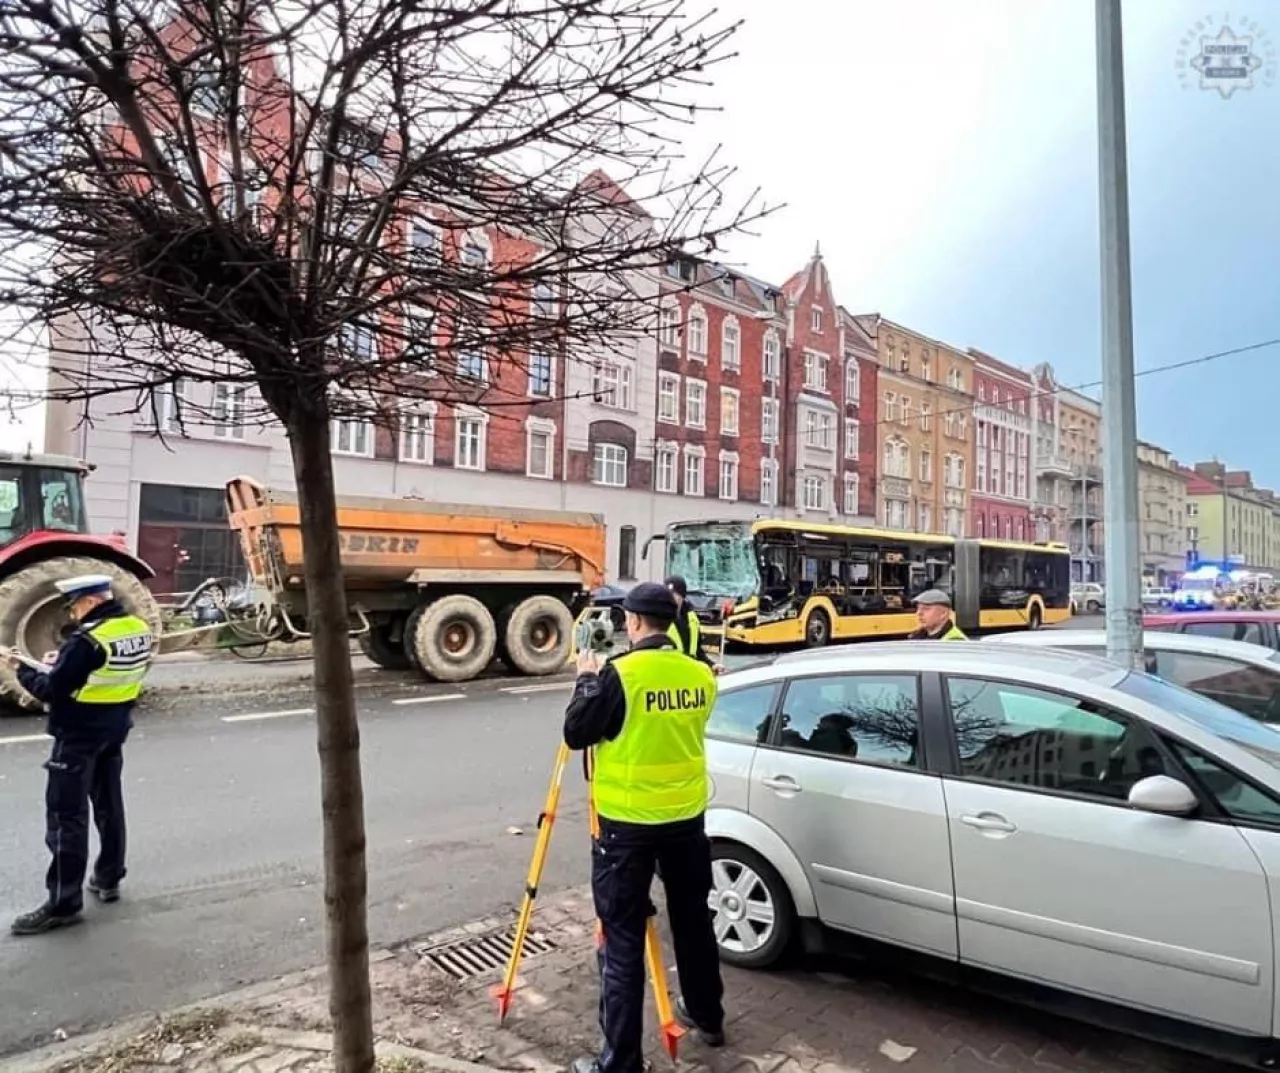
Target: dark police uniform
{"x": 645, "y": 715}
{"x": 686, "y": 630}
{"x": 90, "y": 692}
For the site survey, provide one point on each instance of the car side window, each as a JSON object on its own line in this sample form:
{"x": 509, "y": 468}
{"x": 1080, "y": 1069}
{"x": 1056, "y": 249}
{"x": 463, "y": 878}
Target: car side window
{"x": 1239, "y": 799}
{"x": 1252, "y": 633}
{"x": 743, "y": 714}
{"x": 871, "y": 717}
{"x": 1226, "y": 630}
{"x": 1038, "y": 738}
{"x": 1249, "y": 690}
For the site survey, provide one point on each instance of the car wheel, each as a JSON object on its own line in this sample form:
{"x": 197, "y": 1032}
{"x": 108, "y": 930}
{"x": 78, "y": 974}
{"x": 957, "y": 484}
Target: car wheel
{"x": 1092, "y": 607}
{"x": 754, "y": 917}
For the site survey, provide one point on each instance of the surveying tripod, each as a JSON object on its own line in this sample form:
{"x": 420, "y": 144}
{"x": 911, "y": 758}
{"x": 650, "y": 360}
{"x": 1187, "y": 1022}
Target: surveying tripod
{"x": 669, "y": 1029}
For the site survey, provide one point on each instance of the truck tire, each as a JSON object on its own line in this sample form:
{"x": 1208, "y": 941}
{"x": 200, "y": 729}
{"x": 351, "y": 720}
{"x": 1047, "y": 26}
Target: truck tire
{"x": 453, "y": 639}
{"x": 381, "y": 646}
{"x": 32, "y": 619}
{"x": 539, "y": 636}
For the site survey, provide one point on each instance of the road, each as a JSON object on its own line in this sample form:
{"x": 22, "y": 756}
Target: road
{"x": 222, "y": 785}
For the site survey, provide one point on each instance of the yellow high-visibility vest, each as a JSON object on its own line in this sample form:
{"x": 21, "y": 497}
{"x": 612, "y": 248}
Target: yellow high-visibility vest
{"x": 127, "y": 643}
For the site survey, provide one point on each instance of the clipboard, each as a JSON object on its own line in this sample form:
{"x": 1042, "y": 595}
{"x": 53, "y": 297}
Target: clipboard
{"x": 26, "y": 660}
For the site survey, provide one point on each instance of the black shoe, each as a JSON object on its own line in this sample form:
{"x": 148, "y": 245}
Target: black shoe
{"x": 43, "y": 919}
{"x": 711, "y": 1037}
{"x": 103, "y": 894}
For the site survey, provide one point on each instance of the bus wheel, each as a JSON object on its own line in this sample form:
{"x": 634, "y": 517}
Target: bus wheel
{"x": 817, "y": 631}
{"x": 1034, "y": 619}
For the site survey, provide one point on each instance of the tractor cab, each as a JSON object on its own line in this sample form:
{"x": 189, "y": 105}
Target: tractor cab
{"x": 41, "y": 494}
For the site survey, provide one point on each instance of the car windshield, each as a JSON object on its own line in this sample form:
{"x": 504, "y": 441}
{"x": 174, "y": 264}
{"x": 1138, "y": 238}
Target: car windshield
{"x": 1198, "y": 584}
{"x": 1254, "y": 737}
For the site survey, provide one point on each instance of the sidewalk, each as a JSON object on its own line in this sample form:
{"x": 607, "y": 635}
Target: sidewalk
{"x": 434, "y": 1014}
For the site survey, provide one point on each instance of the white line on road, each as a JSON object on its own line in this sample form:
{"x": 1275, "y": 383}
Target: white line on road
{"x": 546, "y": 688}
{"x": 24, "y": 738}
{"x": 430, "y": 700}
{"x": 251, "y": 716}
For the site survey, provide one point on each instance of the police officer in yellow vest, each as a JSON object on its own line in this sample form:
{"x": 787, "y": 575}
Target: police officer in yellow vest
{"x": 644, "y": 713}
{"x": 686, "y": 631}
{"x": 933, "y": 613}
{"x": 89, "y": 691}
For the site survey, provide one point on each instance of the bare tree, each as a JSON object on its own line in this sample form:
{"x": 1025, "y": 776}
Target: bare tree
{"x": 331, "y": 206}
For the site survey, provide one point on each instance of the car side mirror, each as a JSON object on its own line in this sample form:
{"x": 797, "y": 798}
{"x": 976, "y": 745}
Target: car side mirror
{"x": 1163, "y": 795}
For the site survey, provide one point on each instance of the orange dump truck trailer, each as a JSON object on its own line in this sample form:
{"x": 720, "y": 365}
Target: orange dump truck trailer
{"x": 440, "y": 587}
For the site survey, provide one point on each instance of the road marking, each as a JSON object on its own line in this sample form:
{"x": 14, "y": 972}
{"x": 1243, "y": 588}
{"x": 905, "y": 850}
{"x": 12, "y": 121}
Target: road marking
{"x": 251, "y": 716}
{"x": 24, "y": 738}
{"x": 546, "y": 688}
{"x": 435, "y": 699}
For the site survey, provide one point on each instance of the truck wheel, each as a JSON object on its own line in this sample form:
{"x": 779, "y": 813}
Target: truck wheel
{"x": 454, "y": 638}
{"x": 539, "y": 635}
{"x": 33, "y": 621}
{"x": 383, "y": 646}
{"x": 501, "y": 620}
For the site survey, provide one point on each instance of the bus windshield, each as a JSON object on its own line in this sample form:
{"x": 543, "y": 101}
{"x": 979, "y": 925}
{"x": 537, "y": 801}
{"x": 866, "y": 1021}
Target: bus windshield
{"x": 714, "y": 559}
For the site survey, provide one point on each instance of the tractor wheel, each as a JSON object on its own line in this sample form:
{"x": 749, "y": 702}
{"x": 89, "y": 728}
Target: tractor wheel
{"x": 33, "y": 621}
{"x": 538, "y": 636}
{"x": 452, "y": 639}
{"x": 384, "y": 645}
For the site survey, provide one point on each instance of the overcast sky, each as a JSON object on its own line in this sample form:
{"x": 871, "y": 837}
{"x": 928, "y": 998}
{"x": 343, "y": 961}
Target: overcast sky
{"x": 943, "y": 152}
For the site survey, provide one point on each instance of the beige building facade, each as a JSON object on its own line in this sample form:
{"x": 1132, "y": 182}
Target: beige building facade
{"x": 1162, "y": 511}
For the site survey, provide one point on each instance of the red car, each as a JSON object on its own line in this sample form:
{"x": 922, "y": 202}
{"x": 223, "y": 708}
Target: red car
{"x": 1256, "y": 627}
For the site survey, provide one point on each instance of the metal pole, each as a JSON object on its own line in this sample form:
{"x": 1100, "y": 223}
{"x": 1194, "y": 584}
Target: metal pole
{"x": 1120, "y": 491}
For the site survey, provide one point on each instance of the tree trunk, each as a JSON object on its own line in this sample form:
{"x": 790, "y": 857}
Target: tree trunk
{"x": 338, "y": 740}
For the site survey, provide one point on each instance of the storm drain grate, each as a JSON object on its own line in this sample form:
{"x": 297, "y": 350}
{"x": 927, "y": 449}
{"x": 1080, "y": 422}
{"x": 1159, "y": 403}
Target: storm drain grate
{"x": 465, "y": 959}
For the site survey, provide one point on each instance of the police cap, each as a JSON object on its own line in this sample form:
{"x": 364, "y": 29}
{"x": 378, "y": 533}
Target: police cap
{"x": 932, "y": 598}
{"x": 651, "y": 600}
{"x": 85, "y": 585}
{"x": 677, "y": 585}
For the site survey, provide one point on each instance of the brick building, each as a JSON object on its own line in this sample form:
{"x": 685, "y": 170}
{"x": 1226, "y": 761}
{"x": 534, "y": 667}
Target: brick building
{"x": 1000, "y": 505}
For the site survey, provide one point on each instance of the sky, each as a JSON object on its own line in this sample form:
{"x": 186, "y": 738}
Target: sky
{"x": 944, "y": 155}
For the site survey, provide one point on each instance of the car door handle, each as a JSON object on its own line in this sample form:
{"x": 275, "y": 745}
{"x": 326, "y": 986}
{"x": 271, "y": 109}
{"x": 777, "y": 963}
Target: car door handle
{"x": 988, "y": 821}
{"x": 781, "y": 782}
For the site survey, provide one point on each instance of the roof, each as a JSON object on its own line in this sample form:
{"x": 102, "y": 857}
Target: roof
{"x": 826, "y": 529}
{"x": 985, "y": 361}
{"x": 1169, "y": 618}
{"x": 26, "y": 458}
{"x": 1156, "y": 640}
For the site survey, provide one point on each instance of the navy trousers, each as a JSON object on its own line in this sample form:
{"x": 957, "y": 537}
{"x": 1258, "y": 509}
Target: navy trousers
{"x": 623, "y": 864}
{"x": 83, "y": 773}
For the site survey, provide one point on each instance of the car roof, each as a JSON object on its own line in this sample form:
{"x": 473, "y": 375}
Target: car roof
{"x": 1164, "y": 617}
{"x": 1157, "y": 640}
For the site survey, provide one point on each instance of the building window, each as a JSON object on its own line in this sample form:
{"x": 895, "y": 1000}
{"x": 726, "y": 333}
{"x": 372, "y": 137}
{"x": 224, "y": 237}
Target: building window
{"x": 669, "y": 326}
{"x": 890, "y": 407}
{"x": 611, "y": 385}
{"x": 817, "y": 429}
{"x": 852, "y": 381}
{"x": 815, "y": 493}
{"x": 419, "y": 338}
{"x": 469, "y": 442}
{"x": 424, "y": 240}
{"x": 954, "y": 525}
{"x": 905, "y": 418}
{"x": 695, "y": 404}
{"x": 418, "y": 436}
{"x": 728, "y": 476}
{"x": 471, "y": 365}
{"x": 769, "y": 420}
{"x": 1193, "y": 510}
{"x": 815, "y": 319}
{"x": 926, "y": 518}
{"x": 540, "y": 374}
{"x": 897, "y": 459}
{"x": 895, "y": 513}
{"x": 955, "y": 379}
{"x": 926, "y": 465}
{"x": 926, "y": 417}
{"x": 926, "y": 367}
{"x": 768, "y": 482}
{"x": 543, "y": 301}
{"x": 669, "y": 398}
{"x": 627, "y": 553}
{"x": 815, "y": 371}
{"x": 540, "y": 448}
{"x": 852, "y": 430}
{"x": 351, "y": 436}
{"x": 609, "y": 465}
{"x": 698, "y": 333}
{"x": 357, "y": 343}
{"x": 980, "y": 474}
{"x": 730, "y": 339}
{"x": 694, "y": 462}
{"x": 851, "y": 493}
{"x": 728, "y": 411}
{"x": 170, "y": 406}
{"x": 954, "y": 471}
{"x": 772, "y": 358}
{"x": 664, "y": 469}
{"x": 229, "y": 405}
{"x": 474, "y": 255}
{"x": 982, "y": 396}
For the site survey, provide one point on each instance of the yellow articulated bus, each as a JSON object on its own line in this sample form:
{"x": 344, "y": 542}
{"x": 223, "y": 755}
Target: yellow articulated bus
{"x": 769, "y": 582}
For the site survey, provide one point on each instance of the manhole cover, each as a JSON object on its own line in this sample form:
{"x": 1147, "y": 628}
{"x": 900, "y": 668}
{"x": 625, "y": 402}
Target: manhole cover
{"x": 464, "y": 959}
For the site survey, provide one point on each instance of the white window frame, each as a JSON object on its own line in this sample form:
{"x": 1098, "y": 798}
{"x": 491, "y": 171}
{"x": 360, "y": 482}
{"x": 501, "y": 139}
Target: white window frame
{"x": 467, "y": 415}
{"x": 896, "y": 507}
{"x": 465, "y": 357}
{"x": 729, "y": 470}
{"x": 768, "y": 482}
{"x": 852, "y": 488}
{"x": 424, "y": 224}
{"x": 359, "y": 429}
{"x": 769, "y": 426}
{"x": 171, "y": 402}
{"x": 730, "y": 352}
{"x": 815, "y": 320}
{"x": 669, "y": 391}
{"x": 669, "y": 324}
{"x": 814, "y": 483}
{"x": 352, "y": 339}
{"x": 540, "y": 426}
{"x": 852, "y": 380}
{"x": 695, "y": 387}
{"x": 424, "y": 437}
{"x": 542, "y": 301}
{"x": 232, "y": 400}
{"x": 694, "y": 453}
{"x": 727, "y": 393}
{"x": 771, "y": 356}
{"x": 604, "y": 458}
{"x": 890, "y": 404}
{"x": 924, "y": 514}
{"x": 668, "y": 453}
{"x": 852, "y": 434}
{"x": 612, "y": 385}
{"x": 815, "y": 370}
{"x": 926, "y": 417}
{"x": 926, "y": 465}
{"x": 551, "y": 374}
{"x": 696, "y": 332}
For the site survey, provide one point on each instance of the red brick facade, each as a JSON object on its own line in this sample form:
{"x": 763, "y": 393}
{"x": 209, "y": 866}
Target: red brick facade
{"x": 1003, "y": 471}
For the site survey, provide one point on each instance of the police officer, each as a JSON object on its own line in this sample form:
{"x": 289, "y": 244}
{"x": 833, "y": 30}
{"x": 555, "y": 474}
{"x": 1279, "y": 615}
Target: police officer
{"x": 644, "y": 714}
{"x": 933, "y": 613}
{"x": 686, "y": 631}
{"x": 89, "y": 691}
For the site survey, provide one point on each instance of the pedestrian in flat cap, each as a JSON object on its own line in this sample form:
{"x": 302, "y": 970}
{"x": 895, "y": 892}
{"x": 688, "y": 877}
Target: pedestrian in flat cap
{"x": 933, "y": 613}
{"x": 644, "y": 715}
{"x": 89, "y": 691}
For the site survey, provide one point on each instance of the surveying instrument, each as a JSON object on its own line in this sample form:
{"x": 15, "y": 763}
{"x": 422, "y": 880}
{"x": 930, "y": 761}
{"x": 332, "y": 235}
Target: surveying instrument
{"x": 588, "y": 636}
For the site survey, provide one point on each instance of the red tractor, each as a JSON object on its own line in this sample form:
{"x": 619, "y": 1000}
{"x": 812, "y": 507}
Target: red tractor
{"x": 44, "y": 538}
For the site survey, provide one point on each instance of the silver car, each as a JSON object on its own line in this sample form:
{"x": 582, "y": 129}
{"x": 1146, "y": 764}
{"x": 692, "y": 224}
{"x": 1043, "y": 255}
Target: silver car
{"x": 1038, "y": 813}
{"x": 1242, "y": 676}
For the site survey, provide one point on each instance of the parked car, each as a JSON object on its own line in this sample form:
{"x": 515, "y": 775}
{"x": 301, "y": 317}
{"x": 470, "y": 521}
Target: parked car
{"x": 1255, "y": 627}
{"x": 1037, "y": 817}
{"x": 1242, "y": 676}
{"x": 1088, "y": 598}
{"x": 1157, "y": 597}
